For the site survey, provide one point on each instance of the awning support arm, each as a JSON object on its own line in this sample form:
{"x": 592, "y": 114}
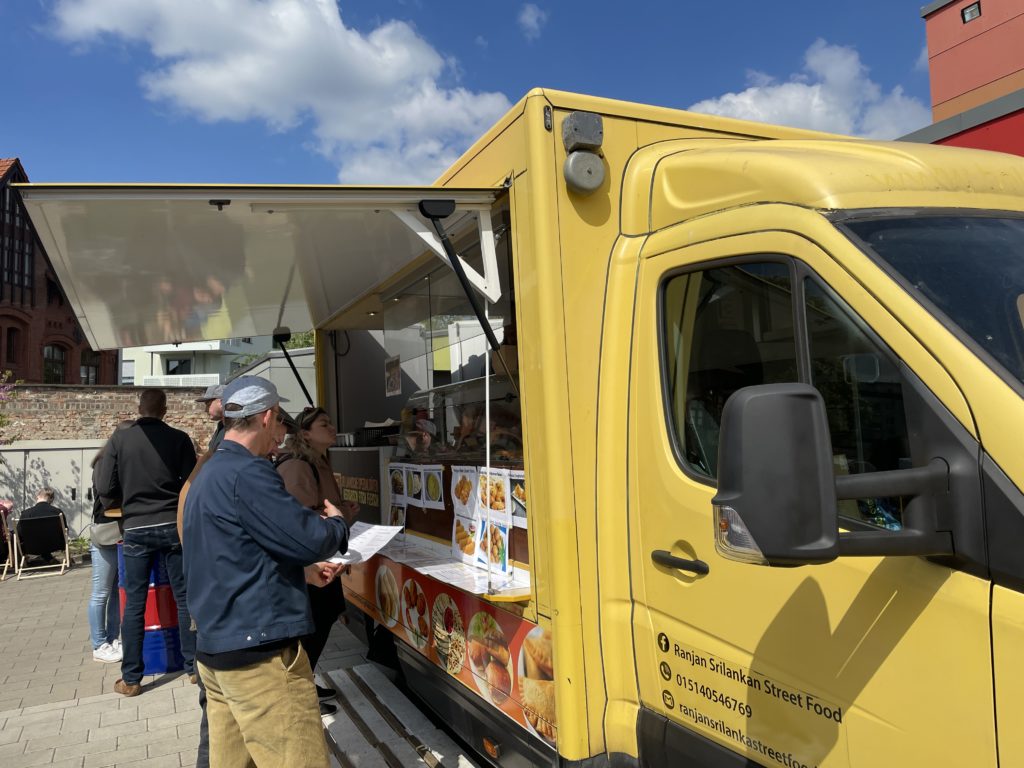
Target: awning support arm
{"x": 435, "y": 210}
{"x": 488, "y": 284}
{"x": 281, "y": 335}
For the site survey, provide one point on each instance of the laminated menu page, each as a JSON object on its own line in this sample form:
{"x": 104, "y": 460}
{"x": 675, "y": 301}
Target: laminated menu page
{"x": 466, "y": 524}
{"x": 414, "y": 485}
{"x": 396, "y": 477}
{"x": 432, "y": 489}
{"x": 495, "y": 495}
{"x": 365, "y": 541}
{"x": 517, "y": 481}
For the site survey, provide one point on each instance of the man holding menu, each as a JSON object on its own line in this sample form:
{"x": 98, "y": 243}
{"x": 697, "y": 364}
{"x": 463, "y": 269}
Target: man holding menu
{"x": 247, "y": 546}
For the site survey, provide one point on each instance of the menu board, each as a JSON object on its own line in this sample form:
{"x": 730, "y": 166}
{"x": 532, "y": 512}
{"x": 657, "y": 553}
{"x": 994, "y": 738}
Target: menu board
{"x": 501, "y": 657}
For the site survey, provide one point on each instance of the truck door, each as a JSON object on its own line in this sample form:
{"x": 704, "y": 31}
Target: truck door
{"x": 866, "y": 661}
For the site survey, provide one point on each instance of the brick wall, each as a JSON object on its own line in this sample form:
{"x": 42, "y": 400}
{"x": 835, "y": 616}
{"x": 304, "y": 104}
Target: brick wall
{"x": 71, "y": 412}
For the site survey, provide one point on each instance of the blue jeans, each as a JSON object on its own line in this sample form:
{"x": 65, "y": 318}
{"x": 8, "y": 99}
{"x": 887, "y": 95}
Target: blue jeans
{"x": 104, "y": 608}
{"x": 141, "y": 545}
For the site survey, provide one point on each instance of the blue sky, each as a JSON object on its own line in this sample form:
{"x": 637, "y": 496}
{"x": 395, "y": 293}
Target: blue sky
{"x": 391, "y": 91}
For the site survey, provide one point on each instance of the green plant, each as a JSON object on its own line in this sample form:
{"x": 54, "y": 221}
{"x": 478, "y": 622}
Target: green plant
{"x": 79, "y": 545}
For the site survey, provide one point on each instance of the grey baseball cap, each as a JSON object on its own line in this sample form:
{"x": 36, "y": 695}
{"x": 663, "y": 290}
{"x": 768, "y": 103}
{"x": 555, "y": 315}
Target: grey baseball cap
{"x": 212, "y": 392}
{"x": 247, "y": 395}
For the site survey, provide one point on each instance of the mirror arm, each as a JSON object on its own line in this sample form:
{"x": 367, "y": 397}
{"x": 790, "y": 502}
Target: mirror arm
{"x": 930, "y": 479}
{"x": 905, "y": 542}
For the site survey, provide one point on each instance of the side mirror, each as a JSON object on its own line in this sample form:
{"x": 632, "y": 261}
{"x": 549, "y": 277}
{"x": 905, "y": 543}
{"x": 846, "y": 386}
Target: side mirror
{"x": 776, "y": 501}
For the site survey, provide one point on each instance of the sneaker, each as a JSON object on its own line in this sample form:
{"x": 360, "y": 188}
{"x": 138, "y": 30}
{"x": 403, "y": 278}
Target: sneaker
{"x": 193, "y": 678}
{"x": 325, "y": 693}
{"x": 127, "y": 689}
{"x": 327, "y": 709}
{"x": 116, "y": 643}
{"x": 107, "y": 653}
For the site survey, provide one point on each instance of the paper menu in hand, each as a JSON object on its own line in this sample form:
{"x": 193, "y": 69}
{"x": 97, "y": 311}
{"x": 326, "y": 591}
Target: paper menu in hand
{"x": 365, "y": 541}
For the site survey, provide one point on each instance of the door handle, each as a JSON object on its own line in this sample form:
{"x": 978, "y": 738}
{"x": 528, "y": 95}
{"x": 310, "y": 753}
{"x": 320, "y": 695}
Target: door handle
{"x": 666, "y": 558}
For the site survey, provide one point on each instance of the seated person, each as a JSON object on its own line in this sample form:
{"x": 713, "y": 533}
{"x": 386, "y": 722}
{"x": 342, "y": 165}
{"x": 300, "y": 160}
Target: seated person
{"x": 43, "y": 506}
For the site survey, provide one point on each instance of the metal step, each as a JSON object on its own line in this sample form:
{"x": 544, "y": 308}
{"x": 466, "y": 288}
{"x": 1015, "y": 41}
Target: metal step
{"x": 377, "y": 726}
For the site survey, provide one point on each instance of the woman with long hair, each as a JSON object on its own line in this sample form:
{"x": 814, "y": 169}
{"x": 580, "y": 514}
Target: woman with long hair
{"x": 104, "y": 604}
{"x": 309, "y": 478}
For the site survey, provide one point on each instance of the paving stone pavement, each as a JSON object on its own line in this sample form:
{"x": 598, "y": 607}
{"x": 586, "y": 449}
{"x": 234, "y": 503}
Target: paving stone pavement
{"x": 57, "y": 706}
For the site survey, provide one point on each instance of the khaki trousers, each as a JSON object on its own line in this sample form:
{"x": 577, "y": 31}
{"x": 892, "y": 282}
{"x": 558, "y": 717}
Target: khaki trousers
{"x": 265, "y": 715}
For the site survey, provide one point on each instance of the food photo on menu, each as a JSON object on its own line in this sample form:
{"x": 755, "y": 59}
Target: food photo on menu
{"x": 433, "y": 488}
{"x": 464, "y": 539}
{"x": 492, "y": 549}
{"x": 397, "y": 473}
{"x": 413, "y": 484}
{"x": 464, "y": 481}
{"x": 537, "y": 683}
{"x": 387, "y": 596}
{"x": 489, "y": 658}
{"x": 517, "y": 479}
{"x": 449, "y": 633}
{"x": 415, "y": 613}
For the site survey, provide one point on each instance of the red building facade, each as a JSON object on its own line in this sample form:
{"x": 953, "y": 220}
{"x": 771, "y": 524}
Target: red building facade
{"x": 976, "y": 68}
{"x": 40, "y": 339}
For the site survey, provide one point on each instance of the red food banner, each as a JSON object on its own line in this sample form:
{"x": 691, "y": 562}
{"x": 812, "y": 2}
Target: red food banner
{"x": 500, "y": 656}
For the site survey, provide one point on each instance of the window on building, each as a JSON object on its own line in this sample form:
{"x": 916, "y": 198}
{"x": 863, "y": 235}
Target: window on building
{"x": 89, "y": 370}
{"x": 127, "y": 371}
{"x": 179, "y": 367}
{"x": 54, "y": 363}
{"x": 13, "y": 351}
{"x": 53, "y": 294}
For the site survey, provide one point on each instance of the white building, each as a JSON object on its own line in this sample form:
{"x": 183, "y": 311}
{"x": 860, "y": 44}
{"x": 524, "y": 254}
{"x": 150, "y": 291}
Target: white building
{"x": 190, "y": 364}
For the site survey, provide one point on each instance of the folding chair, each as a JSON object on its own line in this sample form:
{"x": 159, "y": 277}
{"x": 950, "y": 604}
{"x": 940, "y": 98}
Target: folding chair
{"x": 41, "y": 536}
{"x": 5, "y": 547}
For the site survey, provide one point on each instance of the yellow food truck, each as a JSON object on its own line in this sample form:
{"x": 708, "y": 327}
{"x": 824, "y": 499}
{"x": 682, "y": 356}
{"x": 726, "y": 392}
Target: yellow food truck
{"x": 703, "y": 435}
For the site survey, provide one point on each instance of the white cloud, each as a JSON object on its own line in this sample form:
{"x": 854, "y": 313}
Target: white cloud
{"x": 374, "y": 102}
{"x": 531, "y": 19}
{"x": 832, "y": 93}
{"x": 921, "y": 65}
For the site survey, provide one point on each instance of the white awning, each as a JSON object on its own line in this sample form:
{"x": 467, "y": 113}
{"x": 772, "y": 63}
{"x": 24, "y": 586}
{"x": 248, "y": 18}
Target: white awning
{"x": 146, "y": 265}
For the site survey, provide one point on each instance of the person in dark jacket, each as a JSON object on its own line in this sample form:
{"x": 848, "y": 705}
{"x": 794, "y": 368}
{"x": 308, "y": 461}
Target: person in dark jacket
{"x": 145, "y": 466}
{"x": 43, "y": 506}
{"x": 250, "y": 548}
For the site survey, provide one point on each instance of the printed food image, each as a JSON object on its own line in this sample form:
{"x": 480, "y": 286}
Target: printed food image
{"x": 536, "y": 682}
{"x": 494, "y": 495}
{"x": 463, "y": 489}
{"x": 519, "y": 492}
{"x": 387, "y": 596}
{"x": 489, "y": 658}
{"x": 493, "y": 544}
{"x": 414, "y": 482}
{"x": 397, "y": 482}
{"x": 434, "y": 486}
{"x": 397, "y": 515}
{"x": 449, "y": 634}
{"x": 415, "y": 613}
{"x": 465, "y": 540}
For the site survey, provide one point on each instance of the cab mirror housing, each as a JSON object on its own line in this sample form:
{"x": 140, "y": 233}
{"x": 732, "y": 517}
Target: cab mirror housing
{"x": 776, "y": 502}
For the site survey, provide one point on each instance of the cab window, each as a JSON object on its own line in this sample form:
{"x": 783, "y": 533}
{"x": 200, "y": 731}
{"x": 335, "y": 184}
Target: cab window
{"x": 733, "y": 326}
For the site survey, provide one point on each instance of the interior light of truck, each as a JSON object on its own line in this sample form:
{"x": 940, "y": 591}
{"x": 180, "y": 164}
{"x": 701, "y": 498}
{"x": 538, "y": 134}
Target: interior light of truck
{"x": 733, "y": 540}
{"x": 971, "y": 12}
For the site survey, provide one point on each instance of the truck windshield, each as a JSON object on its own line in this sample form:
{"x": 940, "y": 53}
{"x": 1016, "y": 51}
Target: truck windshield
{"x": 967, "y": 268}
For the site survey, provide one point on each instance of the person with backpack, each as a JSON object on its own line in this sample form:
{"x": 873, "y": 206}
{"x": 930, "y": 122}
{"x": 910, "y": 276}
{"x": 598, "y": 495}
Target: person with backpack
{"x": 309, "y": 478}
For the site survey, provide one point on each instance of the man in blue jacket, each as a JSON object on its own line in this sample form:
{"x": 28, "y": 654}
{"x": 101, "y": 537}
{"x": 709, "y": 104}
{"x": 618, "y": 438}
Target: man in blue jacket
{"x": 249, "y": 548}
